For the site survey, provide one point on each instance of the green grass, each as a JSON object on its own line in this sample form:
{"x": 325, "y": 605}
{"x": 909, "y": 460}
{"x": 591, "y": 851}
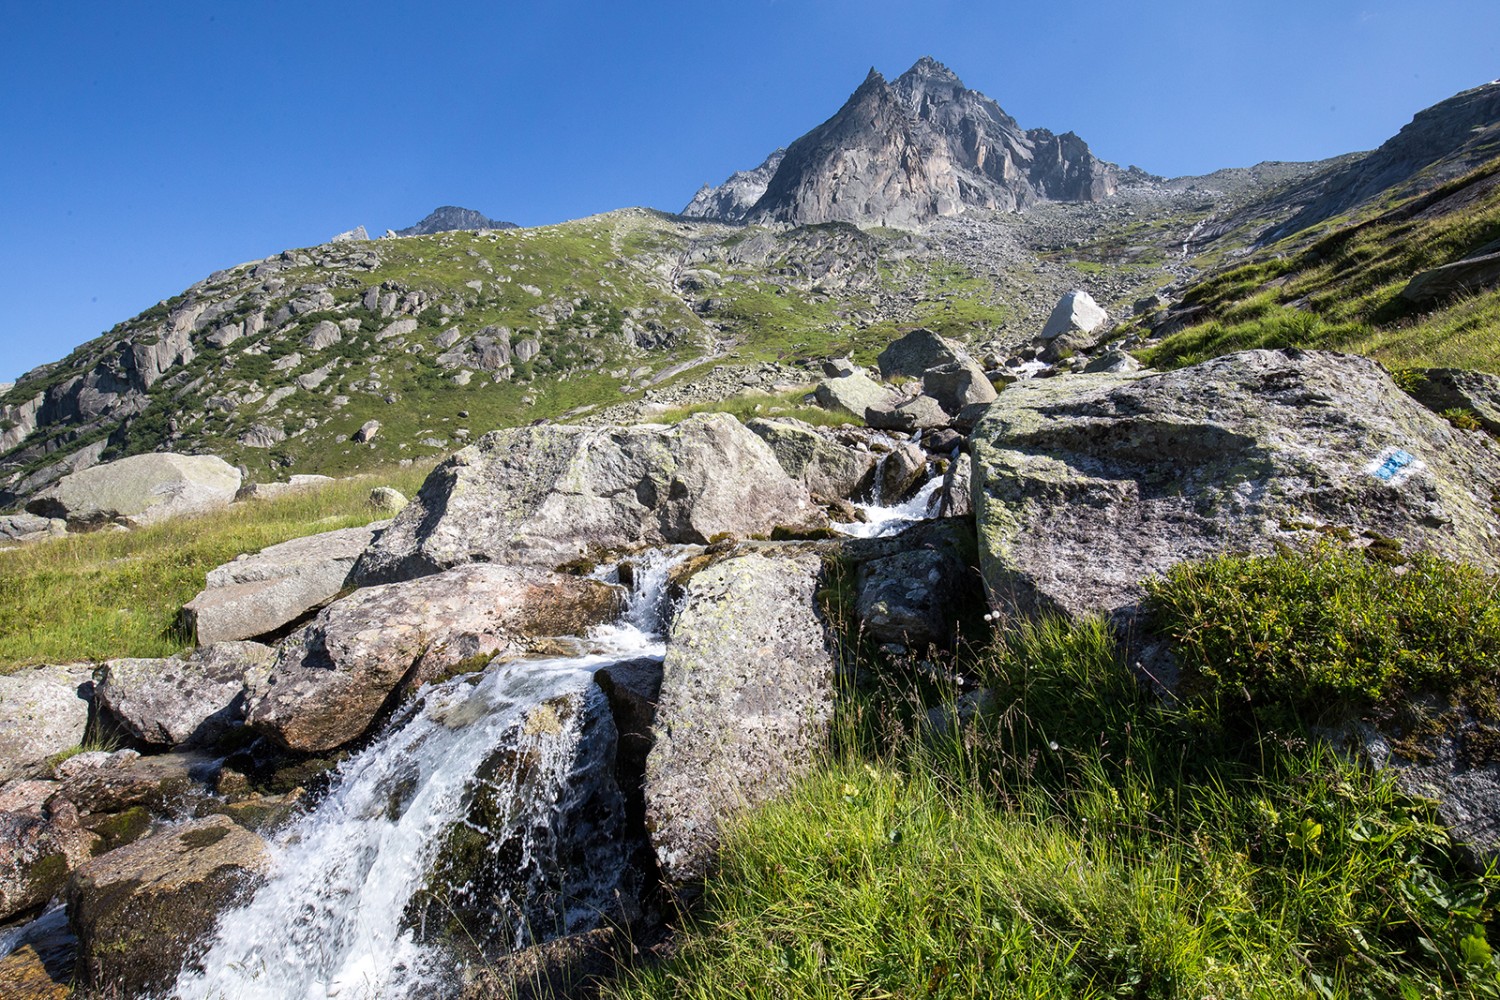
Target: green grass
{"x": 1342, "y": 290}
{"x": 110, "y": 594}
{"x": 1083, "y": 839}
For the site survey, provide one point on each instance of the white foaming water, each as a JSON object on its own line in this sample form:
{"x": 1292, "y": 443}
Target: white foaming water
{"x": 881, "y": 521}
{"x": 332, "y": 919}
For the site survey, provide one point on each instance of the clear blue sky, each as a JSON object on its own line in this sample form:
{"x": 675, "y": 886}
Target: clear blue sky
{"x": 144, "y": 145}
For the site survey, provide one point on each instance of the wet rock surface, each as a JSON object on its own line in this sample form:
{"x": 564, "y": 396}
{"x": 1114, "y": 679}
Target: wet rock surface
{"x": 139, "y": 910}
{"x": 333, "y": 677}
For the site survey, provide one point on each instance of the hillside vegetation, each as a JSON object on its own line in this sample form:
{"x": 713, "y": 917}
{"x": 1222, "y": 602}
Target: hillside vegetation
{"x": 1087, "y": 839}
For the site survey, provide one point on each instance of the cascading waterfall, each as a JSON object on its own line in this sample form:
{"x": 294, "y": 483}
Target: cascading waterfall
{"x": 460, "y": 809}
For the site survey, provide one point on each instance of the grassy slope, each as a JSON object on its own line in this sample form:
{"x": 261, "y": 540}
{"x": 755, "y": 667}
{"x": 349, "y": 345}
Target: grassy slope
{"x": 1342, "y": 291}
{"x": 111, "y": 594}
{"x": 1086, "y": 840}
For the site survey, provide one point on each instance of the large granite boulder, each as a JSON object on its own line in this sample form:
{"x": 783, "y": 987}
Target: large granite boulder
{"x": 257, "y": 594}
{"x": 192, "y": 699}
{"x": 549, "y": 494}
{"x": 746, "y": 696}
{"x": 41, "y": 840}
{"x": 853, "y": 394}
{"x": 827, "y": 467}
{"x": 912, "y": 413}
{"x": 911, "y": 597}
{"x": 1084, "y": 486}
{"x": 916, "y": 353}
{"x": 139, "y": 910}
{"x": 332, "y": 678}
{"x": 44, "y": 710}
{"x": 957, "y": 385}
{"x": 1076, "y": 313}
{"x": 139, "y": 490}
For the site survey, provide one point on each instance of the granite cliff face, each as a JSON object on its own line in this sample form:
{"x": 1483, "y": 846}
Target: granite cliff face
{"x": 904, "y": 153}
{"x": 733, "y": 200}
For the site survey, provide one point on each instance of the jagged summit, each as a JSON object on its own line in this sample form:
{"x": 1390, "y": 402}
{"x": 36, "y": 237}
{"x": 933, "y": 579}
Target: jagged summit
{"x": 905, "y": 152}
{"x": 450, "y": 218}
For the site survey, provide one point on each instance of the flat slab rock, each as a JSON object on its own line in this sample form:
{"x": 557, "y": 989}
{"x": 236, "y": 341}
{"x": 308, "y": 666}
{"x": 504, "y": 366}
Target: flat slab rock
{"x": 746, "y": 696}
{"x": 259, "y": 593}
{"x": 192, "y": 699}
{"x": 332, "y": 678}
{"x": 139, "y": 490}
{"x": 547, "y": 494}
{"x": 1086, "y": 485}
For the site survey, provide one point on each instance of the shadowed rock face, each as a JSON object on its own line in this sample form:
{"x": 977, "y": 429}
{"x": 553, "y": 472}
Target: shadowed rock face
{"x": 917, "y": 149}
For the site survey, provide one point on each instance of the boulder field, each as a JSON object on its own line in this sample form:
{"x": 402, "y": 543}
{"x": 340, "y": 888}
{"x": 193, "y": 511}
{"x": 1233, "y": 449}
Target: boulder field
{"x": 1059, "y": 495}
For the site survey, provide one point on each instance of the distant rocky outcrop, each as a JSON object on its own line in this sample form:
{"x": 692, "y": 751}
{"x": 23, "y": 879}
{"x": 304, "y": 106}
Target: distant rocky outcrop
{"x": 733, "y": 200}
{"x": 1439, "y": 144}
{"x": 904, "y": 153}
{"x": 449, "y": 218}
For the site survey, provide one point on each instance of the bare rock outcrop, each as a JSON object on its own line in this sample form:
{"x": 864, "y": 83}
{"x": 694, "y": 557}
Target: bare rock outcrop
{"x": 44, "y": 710}
{"x": 192, "y": 699}
{"x": 1086, "y": 485}
{"x": 549, "y": 494}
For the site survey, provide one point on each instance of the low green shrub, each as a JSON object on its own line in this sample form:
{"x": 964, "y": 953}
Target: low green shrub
{"x": 1331, "y": 630}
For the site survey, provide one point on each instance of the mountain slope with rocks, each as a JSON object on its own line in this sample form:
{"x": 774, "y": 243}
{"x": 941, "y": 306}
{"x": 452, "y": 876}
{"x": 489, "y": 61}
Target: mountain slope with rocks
{"x": 449, "y": 218}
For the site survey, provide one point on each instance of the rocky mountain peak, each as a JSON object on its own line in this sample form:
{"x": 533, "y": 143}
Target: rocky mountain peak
{"x": 906, "y": 152}
{"x": 450, "y": 218}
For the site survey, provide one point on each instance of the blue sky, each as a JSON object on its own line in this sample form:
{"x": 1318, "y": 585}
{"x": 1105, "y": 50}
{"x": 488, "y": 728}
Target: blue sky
{"x": 144, "y": 145}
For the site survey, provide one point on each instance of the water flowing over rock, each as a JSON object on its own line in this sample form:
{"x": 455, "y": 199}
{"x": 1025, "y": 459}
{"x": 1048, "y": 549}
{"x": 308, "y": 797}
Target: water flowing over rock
{"x": 332, "y": 678}
{"x": 257, "y": 594}
{"x": 1086, "y": 485}
{"x": 549, "y": 494}
{"x": 488, "y": 817}
{"x": 139, "y": 490}
{"x": 747, "y": 692}
{"x": 139, "y": 910}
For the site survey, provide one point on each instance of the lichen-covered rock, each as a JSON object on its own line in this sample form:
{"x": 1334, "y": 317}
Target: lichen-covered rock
{"x": 139, "y": 490}
{"x": 41, "y": 840}
{"x": 192, "y": 699}
{"x": 910, "y": 597}
{"x": 549, "y": 494}
{"x": 914, "y": 413}
{"x": 1478, "y": 393}
{"x": 956, "y": 498}
{"x": 259, "y": 593}
{"x": 332, "y": 677}
{"x": 853, "y": 394}
{"x": 916, "y": 353}
{"x": 44, "y": 710}
{"x": 102, "y": 782}
{"x": 1087, "y": 485}
{"x": 957, "y": 385}
{"x": 746, "y": 695}
{"x": 139, "y": 910}
{"x": 826, "y": 467}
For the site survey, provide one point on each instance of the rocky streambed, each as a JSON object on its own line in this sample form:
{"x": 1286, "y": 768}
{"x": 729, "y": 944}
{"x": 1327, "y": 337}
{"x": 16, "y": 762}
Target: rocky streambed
{"x": 504, "y": 743}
